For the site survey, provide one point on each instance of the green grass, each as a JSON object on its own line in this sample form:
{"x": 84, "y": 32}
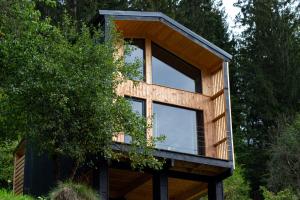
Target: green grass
{"x": 8, "y": 195}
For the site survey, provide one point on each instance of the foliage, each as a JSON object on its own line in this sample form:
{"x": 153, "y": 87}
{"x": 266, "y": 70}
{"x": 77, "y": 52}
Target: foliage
{"x": 61, "y": 85}
{"x": 266, "y": 81}
{"x": 286, "y": 194}
{"x": 236, "y": 187}
{"x": 70, "y": 191}
{"x": 7, "y": 195}
{"x": 284, "y": 165}
{"x": 6, "y": 163}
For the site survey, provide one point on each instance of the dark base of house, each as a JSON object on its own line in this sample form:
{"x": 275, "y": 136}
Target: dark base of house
{"x": 179, "y": 180}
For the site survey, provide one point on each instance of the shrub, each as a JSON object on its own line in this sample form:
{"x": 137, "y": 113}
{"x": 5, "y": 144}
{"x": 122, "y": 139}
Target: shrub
{"x": 73, "y": 191}
{"x": 8, "y": 195}
{"x": 286, "y": 194}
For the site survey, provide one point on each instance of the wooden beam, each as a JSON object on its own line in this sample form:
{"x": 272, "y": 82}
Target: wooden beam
{"x": 148, "y": 59}
{"x": 160, "y": 186}
{"x": 216, "y": 95}
{"x": 104, "y": 180}
{"x": 192, "y": 193}
{"x": 218, "y": 117}
{"x": 220, "y": 142}
{"x": 164, "y": 94}
{"x": 215, "y": 190}
{"x": 134, "y": 185}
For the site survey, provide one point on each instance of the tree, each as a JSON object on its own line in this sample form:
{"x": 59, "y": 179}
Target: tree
{"x": 236, "y": 187}
{"x": 284, "y": 165}
{"x": 266, "y": 80}
{"x": 60, "y": 89}
{"x": 286, "y": 194}
{"x": 6, "y": 160}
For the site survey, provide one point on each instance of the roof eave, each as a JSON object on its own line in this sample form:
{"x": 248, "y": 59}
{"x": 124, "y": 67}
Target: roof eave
{"x": 158, "y": 16}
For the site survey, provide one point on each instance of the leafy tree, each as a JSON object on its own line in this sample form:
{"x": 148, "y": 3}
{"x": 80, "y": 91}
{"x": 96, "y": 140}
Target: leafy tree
{"x": 236, "y": 187}
{"x": 60, "y": 87}
{"x": 6, "y": 163}
{"x": 284, "y": 165}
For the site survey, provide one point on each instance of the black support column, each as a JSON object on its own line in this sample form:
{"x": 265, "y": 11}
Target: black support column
{"x": 215, "y": 190}
{"x": 160, "y": 186}
{"x": 104, "y": 180}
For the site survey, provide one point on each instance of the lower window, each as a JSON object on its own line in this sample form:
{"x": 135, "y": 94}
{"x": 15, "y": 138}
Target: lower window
{"x": 138, "y": 106}
{"x": 182, "y": 127}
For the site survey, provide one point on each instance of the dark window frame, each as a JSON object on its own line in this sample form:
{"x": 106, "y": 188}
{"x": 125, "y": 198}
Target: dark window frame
{"x": 200, "y": 131}
{"x": 143, "y": 101}
{"x": 186, "y": 68}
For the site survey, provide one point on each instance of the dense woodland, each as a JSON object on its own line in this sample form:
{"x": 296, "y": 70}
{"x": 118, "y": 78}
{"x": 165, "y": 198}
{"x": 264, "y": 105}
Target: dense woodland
{"x": 265, "y": 88}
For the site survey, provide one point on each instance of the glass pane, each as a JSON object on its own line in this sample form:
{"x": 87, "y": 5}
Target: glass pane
{"x": 179, "y": 125}
{"x": 137, "y": 47}
{"x": 138, "y": 107}
{"x": 169, "y": 70}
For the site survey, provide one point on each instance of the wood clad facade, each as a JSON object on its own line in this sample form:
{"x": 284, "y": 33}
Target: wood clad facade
{"x": 211, "y": 101}
{"x": 19, "y": 163}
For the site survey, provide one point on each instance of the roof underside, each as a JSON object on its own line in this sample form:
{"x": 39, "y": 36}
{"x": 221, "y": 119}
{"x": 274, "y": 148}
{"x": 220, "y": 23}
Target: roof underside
{"x": 169, "y": 34}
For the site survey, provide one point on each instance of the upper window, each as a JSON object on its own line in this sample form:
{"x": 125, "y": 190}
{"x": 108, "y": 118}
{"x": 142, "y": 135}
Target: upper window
{"x": 171, "y": 71}
{"x": 138, "y": 106}
{"x": 182, "y": 127}
{"x": 137, "y": 54}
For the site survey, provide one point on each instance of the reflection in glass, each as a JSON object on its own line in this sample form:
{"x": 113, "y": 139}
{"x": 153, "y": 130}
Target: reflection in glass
{"x": 138, "y": 106}
{"x": 179, "y": 125}
{"x": 137, "y": 47}
{"x": 169, "y": 70}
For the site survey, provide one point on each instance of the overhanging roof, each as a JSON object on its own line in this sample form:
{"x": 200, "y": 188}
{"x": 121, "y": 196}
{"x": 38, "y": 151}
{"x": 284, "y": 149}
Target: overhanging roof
{"x": 160, "y": 17}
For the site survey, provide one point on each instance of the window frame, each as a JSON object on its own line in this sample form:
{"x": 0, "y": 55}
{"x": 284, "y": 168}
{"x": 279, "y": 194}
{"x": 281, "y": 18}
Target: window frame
{"x": 185, "y": 68}
{"x": 130, "y": 41}
{"x": 143, "y": 101}
{"x": 200, "y": 130}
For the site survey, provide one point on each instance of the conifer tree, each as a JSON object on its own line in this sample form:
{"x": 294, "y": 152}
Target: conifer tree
{"x": 268, "y": 70}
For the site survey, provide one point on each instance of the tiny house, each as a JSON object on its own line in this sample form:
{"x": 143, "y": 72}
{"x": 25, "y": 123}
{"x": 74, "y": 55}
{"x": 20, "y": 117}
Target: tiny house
{"x": 184, "y": 86}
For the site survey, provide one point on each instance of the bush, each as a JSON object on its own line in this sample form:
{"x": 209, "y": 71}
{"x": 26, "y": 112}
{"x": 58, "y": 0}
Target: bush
{"x": 73, "y": 191}
{"x": 286, "y": 194}
{"x": 236, "y": 187}
{"x": 8, "y": 195}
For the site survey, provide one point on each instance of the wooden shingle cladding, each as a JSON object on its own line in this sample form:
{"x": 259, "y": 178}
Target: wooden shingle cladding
{"x": 19, "y": 163}
{"x": 211, "y": 100}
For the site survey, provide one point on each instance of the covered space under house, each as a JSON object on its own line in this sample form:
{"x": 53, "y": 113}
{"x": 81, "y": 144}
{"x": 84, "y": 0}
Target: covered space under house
{"x": 185, "y": 86}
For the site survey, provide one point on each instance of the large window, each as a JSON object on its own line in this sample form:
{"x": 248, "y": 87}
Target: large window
{"x": 171, "y": 71}
{"x": 138, "y": 106}
{"x": 182, "y": 127}
{"x": 137, "y": 54}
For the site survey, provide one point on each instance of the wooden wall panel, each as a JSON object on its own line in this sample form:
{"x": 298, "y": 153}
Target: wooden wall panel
{"x": 164, "y": 95}
{"x": 148, "y": 60}
{"x": 18, "y": 180}
{"x": 211, "y": 102}
{"x": 218, "y": 99}
{"x": 219, "y": 105}
{"x": 218, "y": 81}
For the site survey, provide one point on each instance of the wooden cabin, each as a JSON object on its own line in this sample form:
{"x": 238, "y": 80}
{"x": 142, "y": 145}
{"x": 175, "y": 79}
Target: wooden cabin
{"x": 185, "y": 87}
